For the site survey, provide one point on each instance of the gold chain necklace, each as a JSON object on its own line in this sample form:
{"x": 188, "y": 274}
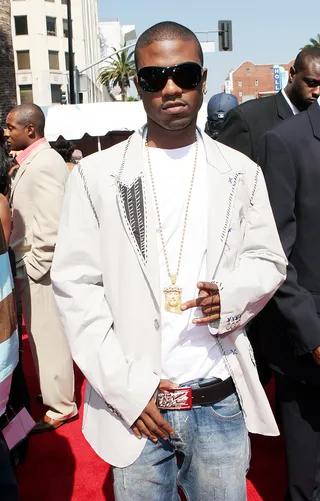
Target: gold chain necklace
{"x": 172, "y": 293}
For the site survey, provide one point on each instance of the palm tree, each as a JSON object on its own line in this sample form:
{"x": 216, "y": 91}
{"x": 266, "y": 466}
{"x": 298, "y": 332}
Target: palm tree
{"x": 8, "y": 94}
{"x": 315, "y": 42}
{"x": 119, "y": 72}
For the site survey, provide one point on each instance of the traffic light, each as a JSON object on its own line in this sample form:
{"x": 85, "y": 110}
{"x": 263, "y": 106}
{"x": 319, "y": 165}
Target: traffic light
{"x": 225, "y": 35}
{"x": 63, "y": 97}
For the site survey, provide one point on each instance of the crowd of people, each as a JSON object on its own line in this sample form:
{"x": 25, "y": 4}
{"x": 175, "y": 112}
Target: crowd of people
{"x": 178, "y": 269}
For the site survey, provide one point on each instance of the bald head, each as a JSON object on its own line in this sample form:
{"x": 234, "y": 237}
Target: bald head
{"x": 25, "y": 125}
{"x": 303, "y": 88}
{"x": 305, "y": 57}
{"x": 26, "y": 114}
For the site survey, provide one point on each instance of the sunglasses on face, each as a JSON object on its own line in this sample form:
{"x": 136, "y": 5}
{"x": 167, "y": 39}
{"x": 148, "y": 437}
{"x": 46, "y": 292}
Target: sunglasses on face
{"x": 154, "y": 78}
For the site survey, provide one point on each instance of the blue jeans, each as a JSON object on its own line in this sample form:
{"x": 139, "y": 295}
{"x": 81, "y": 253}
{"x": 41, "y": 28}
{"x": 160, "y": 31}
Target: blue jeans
{"x": 208, "y": 457}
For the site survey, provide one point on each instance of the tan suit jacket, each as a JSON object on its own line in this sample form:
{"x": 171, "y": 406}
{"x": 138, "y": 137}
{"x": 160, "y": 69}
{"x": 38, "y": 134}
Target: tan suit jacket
{"x": 37, "y": 196}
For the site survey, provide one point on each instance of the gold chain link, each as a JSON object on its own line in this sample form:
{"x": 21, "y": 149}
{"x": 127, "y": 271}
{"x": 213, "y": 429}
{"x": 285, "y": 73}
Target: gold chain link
{"x": 172, "y": 277}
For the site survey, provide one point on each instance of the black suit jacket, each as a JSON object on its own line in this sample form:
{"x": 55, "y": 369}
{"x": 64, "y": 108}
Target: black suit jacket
{"x": 290, "y": 158}
{"x": 245, "y": 125}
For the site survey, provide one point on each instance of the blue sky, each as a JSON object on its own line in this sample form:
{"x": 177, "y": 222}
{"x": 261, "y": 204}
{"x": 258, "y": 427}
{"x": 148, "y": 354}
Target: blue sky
{"x": 269, "y": 32}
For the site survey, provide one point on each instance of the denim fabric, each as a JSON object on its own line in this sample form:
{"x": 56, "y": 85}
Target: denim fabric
{"x": 208, "y": 457}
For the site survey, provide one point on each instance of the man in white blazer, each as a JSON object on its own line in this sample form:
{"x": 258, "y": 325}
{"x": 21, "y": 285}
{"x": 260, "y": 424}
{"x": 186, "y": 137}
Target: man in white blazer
{"x": 167, "y": 247}
{"x": 36, "y": 197}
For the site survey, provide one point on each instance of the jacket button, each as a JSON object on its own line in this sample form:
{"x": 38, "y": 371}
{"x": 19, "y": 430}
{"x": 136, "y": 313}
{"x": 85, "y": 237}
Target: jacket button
{"x": 156, "y": 324}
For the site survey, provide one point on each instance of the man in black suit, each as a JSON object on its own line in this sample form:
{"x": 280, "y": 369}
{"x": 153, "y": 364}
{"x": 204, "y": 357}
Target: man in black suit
{"x": 245, "y": 125}
{"x": 290, "y": 324}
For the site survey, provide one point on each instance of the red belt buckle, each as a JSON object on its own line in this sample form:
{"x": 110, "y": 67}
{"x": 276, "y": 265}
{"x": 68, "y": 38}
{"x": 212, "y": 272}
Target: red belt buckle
{"x": 174, "y": 399}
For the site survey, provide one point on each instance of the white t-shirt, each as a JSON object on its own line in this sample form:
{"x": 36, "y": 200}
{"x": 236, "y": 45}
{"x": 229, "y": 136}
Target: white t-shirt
{"x": 188, "y": 351}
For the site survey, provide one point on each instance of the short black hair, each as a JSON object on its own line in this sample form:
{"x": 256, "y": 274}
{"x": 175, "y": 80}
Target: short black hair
{"x": 30, "y": 114}
{"x": 65, "y": 148}
{"x": 304, "y": 56}
{"x": 166, "y": 30}
{"x": 4, "y": 172}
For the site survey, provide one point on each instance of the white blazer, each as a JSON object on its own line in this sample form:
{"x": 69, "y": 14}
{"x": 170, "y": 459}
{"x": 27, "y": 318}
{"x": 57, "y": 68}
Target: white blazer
{"x": 106, "y": 280}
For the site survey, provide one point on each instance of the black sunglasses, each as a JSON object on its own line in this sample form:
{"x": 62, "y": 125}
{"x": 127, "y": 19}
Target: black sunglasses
{"x": 154, "y": 78}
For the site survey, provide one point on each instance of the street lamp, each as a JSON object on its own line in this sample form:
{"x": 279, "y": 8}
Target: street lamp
{"x": 71, "y": 58}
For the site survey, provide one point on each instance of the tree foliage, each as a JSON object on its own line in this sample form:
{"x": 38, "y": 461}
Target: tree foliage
{"x": 314, "y": 42}
{"x": 119, "y": 72}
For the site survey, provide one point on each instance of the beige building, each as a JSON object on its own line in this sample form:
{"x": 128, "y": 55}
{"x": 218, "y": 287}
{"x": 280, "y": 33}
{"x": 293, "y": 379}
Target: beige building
{"x": 40, "y": 31}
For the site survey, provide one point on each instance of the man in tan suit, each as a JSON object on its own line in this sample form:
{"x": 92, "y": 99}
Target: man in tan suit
{"x": 37, "y": 195}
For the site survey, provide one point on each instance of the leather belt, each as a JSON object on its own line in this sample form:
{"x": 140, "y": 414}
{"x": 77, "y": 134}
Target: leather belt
{"x": 23, "y": 248}
{"x": 186, "y": 398}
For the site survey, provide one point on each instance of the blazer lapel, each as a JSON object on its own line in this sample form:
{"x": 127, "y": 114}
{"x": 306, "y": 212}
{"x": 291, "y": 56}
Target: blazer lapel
{"x": 24, "y": 165}
{"x": 137, "y": 213}
{"x": 314, "y": 115}
{"x": 284, "y": 110}
{"x": 223, "y": 182}
{"x": 17, "y": 178}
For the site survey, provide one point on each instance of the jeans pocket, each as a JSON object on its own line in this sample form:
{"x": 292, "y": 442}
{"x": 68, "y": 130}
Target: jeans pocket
{"x": 227, "y": 409}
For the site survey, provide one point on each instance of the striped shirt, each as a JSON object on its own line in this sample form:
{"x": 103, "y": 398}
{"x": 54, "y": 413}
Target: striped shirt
{"x": 22, "y": 157}
{"x": 9, "y": 341}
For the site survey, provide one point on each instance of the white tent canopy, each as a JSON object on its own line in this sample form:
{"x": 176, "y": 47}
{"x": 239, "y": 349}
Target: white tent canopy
{"x": 73, "y": 121}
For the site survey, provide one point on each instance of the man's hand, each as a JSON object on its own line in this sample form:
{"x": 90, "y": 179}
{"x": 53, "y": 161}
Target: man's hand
{"x": 316, "y": 355}
{"x": 209, "y": 302}
{"x": 151, "y": 423}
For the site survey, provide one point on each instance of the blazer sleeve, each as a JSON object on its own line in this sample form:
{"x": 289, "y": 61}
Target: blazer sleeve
{"x": 294, "y": 303}
{"x": 261, "y": 268}
{"x": 48, "y": 188}
{"x": 125, "y": 385}
{"x": 235, "y": 133}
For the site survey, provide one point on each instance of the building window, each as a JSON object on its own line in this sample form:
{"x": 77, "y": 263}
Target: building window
{"x": 21, "y": 25}
{"x": 55, "y": 93}
{"x": 257, "y": 83}
{"x": 240, "y": 94}
{"x": 64, "y": 2}
{"x": 50, "y": 0}
{"x": 65, "y": 28}
{"x": 23, "y": 58}
{"x": 53, "y": 60}
{"x": 26, "y": 94}
{"x": 51, "y": 26}
{"x": 240, "y": 83}
{"x": 248, "y": 71}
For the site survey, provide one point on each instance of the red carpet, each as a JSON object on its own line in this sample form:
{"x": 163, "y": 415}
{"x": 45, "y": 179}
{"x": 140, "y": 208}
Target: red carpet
{"x": 61, "y": 466}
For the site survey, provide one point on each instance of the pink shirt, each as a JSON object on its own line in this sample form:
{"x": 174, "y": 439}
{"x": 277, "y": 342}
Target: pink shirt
{"x": 22, "y": 157}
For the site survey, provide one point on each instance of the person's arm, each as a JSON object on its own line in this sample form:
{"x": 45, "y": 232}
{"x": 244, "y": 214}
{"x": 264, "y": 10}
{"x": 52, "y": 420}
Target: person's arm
{"x": 47, "y": 196}
{"x": 125, "y": 385}
{"x": 294, "y": 302}
{"x": 5, "y": 218}
{"x": 261, "y": 268}
{"x": 235, "y": 133}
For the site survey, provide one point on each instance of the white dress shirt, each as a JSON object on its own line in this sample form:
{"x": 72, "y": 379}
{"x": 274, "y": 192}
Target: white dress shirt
{"x": 294, "y": 109}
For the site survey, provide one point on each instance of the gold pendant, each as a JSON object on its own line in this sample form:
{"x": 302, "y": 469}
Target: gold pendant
{"x": 173, "y": 299}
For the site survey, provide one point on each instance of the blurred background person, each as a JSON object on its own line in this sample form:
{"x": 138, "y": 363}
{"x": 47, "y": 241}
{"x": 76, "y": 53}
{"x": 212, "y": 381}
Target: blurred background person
{"x": 19, "y": 396}
{"x": 218, "y": 107}
{"x": 77, "y": 156}
{"x": 9, "y": 350}
{"x": 5, "y": 214}
{"x": 65, "y": 148}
